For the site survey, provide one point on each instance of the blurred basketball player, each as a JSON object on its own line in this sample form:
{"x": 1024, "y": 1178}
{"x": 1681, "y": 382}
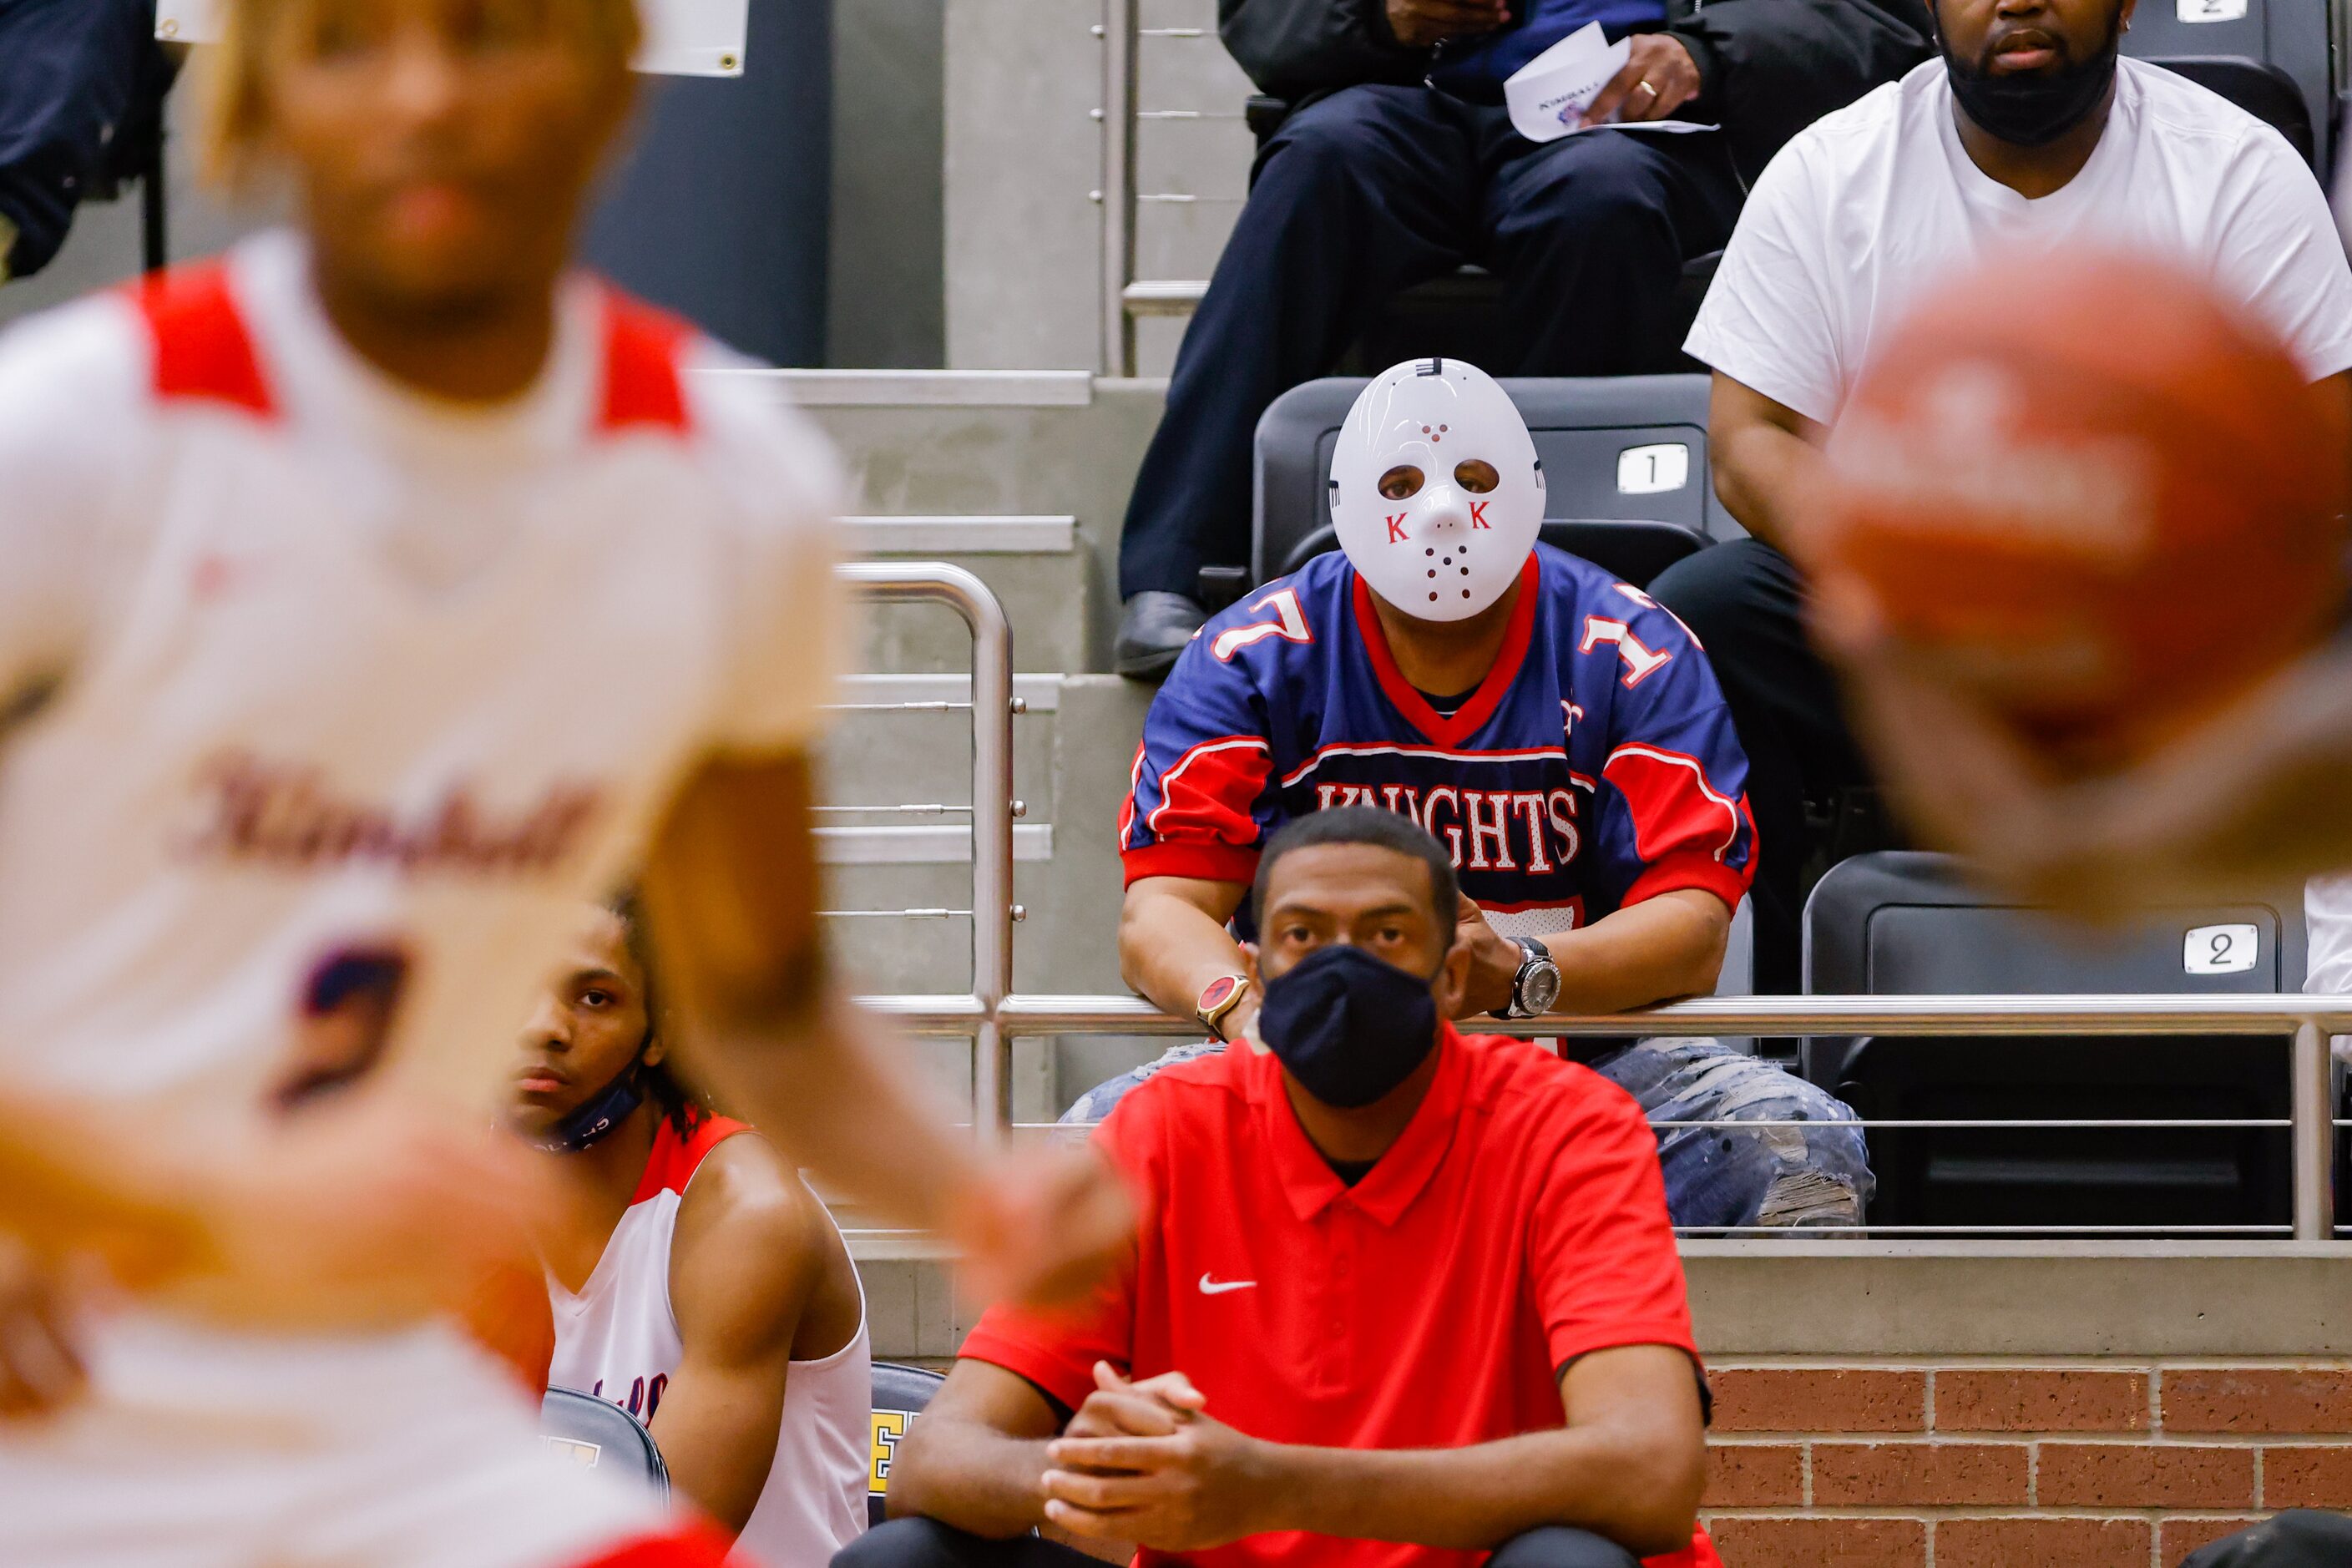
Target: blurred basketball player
{"x": 368, "y": 601}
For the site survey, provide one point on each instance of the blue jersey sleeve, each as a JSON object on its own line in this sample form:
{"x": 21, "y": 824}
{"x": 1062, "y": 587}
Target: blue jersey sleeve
{"x": 1673, "y": 810}
{"x": 1201, "y": 800}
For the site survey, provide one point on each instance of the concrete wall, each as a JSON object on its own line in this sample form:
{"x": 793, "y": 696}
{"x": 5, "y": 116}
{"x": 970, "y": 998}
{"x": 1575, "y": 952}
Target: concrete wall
{"x": 887, "y": 304}
{"x": 1024, "y": 151}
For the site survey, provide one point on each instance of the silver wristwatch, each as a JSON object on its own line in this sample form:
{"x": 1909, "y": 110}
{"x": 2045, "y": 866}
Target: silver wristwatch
{"x": 1537, "y": 985}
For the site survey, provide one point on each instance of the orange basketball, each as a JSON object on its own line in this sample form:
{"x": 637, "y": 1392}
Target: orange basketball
{"x": 2096, "y": 497}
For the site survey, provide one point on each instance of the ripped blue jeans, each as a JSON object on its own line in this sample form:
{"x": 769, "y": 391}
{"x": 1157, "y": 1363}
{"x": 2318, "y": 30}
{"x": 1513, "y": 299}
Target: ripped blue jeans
{"x": 1816, "y": 1175}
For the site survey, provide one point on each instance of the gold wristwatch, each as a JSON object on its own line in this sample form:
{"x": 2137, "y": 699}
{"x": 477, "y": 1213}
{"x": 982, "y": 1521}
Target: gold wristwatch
{"x": 1217, "y": 1000}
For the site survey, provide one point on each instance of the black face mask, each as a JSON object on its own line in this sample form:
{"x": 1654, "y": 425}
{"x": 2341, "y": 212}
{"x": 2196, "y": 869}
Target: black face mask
{"x": 2034, "y": 109}
{"x": 595, "y": 1121}
{"x": 1349, "y": 1026}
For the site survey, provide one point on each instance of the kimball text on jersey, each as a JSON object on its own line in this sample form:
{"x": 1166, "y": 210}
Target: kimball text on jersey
{"x": 287, "y": 815}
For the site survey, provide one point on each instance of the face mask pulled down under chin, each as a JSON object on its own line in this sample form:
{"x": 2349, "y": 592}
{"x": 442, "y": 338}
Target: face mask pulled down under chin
{"x": 1349, "y": 1026}
{"x": 2032, "y": 110}
{"x": 604, "y": 1111}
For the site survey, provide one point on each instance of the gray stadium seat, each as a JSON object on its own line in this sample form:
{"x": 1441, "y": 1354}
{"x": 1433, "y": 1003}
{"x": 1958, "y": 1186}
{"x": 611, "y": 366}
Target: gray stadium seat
{"x": 1628, "y": 449}
{"x": 899, "y": 1395}
{"x": 1901, "y": 923}
{"x": 598, "y": 1433}
{"x": 2291, "y": 35}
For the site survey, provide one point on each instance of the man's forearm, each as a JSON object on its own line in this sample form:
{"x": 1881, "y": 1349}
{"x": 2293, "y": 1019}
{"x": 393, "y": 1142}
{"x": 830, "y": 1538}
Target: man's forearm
{"x": 1170, "y": 949}
{"x": 970, "y": 1476}
{"x": 1662, "y": 947}
{"x": 1475, "y": 1498}
{"x": 1765, "y": 476}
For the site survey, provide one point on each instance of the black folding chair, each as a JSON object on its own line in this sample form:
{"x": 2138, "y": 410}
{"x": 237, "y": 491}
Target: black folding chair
{"x": 1901, "y": 923}
{"x": 900, "y": 1393}
{"x": 598, "y": 1434}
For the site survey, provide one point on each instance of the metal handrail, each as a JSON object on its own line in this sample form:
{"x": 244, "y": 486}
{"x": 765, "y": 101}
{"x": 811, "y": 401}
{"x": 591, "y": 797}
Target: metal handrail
{"x": 993, "y": 1014}
{"x": 2309, "y": 1019}
{"x": 938, "y": 582}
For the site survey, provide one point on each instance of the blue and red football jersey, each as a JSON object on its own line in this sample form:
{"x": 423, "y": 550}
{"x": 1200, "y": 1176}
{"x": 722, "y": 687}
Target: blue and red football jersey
{"x": 1596, "y": 765}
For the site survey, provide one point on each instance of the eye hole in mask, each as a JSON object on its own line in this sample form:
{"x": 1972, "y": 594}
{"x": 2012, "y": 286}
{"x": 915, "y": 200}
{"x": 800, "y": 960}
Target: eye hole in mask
{"x": 1401, "y": 482}
{"x": 1476, "y": 477}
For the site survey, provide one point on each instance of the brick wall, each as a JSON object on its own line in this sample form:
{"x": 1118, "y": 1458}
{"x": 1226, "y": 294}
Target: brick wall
{"x": 2114, "y": 1463}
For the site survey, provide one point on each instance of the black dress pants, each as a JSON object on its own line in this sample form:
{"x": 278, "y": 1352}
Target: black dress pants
{"x": 928, "y": 1544}
{"x": 1744, "y": 603}
{"x": 1379, "y": 187}
{"x": 73, "y": 73}
{"x": 2299, "y": 1538}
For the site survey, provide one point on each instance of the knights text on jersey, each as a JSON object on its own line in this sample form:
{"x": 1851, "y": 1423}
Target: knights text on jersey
{"x": 1596, "y": 765}
{"x": 352, "y": 696}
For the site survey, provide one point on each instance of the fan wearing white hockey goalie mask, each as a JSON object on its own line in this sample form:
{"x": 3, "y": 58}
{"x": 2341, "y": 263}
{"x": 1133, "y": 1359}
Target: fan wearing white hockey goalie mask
{"x": 1436, "y": 491}
{"x": 1560, "y": 734}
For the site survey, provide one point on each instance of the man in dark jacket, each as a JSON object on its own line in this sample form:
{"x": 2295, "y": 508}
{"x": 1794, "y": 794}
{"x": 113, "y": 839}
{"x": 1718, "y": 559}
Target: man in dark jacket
{"x": 1398, "y": 163}
{"x": 81, "y": 90}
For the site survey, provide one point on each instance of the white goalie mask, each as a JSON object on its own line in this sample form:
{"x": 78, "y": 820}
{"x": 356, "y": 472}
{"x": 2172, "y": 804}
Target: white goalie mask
{"x": 1436, "y": 492}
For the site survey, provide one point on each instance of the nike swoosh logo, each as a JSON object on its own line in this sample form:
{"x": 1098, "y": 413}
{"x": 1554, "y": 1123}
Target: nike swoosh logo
{"x": 1219, "y": 1287}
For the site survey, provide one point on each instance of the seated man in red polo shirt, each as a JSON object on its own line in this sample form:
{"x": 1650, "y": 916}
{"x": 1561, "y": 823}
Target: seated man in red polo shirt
{"x": 1403, "y": 1298}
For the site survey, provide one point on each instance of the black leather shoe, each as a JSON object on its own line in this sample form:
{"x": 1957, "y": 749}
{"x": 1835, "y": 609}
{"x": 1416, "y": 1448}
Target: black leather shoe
{"x": 1152, "y": 630}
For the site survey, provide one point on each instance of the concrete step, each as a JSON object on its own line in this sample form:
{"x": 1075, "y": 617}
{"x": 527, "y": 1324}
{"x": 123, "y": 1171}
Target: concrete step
{"x": 1050, "y": 598}
{"x": 974, "y": 467}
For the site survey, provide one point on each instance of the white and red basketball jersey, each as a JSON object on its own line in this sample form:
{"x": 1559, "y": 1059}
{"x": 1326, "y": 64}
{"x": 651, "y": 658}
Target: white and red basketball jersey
{"x": 344, "y": 674}
{"x": 332, "y": 702}
{"x": 618, "y": 1340}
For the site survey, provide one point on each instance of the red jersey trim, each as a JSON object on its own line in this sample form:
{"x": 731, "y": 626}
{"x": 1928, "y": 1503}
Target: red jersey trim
{"x": 1490, "y": 693}
{"x": 644, "y": 382}
{"x": 695, "y": 1546}
{"x": 203, "y": 352}
{"x": 674, "y": 1160}
{"x": 1205, "y": 862}
{"x": 1691, "y": 869}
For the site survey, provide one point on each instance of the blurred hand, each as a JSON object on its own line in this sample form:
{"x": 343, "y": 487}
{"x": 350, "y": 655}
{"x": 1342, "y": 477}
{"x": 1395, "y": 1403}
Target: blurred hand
{"x": 1495, "y": 960}
{"x": 367, "y": 1211}
{"x": 1420, "y": 24}
{"x": 1659, "y": 78}
{"x": 40, "y": 1371}
{"x": 1041, "y": 1227}
{"x": 1167, "y": 1477}
{"x": 2248, "y": 799}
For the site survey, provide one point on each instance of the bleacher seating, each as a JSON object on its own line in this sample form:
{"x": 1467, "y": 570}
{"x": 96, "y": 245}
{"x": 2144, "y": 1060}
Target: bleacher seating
{"x": 1901, "y": 922}
{"x": 597, "y": 1432}
{"x": 899, "y": 1395}
{"x": 1622, "y": 450}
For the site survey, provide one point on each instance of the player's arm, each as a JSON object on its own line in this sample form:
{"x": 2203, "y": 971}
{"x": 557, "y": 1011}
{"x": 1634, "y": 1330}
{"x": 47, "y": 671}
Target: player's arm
{"x": 1766, "y": 459}
{"x": 748, "y": 1257}
{"x": 1628, "y": 1464}
{"x": 730, "y": 894}
{"x": 1172, "y": 942}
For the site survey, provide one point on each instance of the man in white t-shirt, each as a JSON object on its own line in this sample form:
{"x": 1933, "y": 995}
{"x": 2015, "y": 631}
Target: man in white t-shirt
{"x": 2029, "y": 130}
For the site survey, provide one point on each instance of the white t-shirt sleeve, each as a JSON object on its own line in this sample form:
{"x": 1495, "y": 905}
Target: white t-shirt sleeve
{"x": 790, "y": 626}
{"x": 2277, "y": 248}
{"x": 72, "y": 415}
{"x": 1767, "y": 321}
